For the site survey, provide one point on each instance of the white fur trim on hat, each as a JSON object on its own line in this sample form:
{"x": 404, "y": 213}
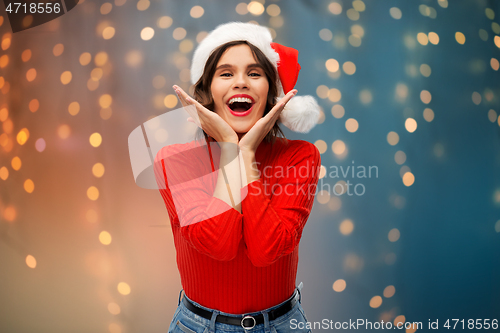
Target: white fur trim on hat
{"x": 301, "y": 113}
{"x": 228, "y": 32}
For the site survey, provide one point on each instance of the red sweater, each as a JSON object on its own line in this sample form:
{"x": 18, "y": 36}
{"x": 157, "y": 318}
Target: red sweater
{"x": 238, "y": 263}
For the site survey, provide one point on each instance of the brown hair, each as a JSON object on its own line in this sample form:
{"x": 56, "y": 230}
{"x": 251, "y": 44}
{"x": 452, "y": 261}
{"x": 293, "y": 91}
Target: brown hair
{"x": 202, "y": 88}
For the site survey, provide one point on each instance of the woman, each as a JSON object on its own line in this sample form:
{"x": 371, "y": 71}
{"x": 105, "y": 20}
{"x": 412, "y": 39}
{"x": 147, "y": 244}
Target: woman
{"x": 237, "y": 224}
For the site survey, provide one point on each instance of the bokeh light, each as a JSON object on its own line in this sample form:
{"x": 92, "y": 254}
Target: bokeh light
{"x": 242, "y": 8}
{"x": 393, "y": 235}
{"x": 196, "y": 12}
{"x": 105, "y": 100}
{"x": 16, "y": 163}
{"x": 433, "y": 38}
{"x": 93, "y": 193}
{"x": 339, "y": 285}
{"x": 332, "y": 65}
{"x": 106, "y": 8}
{"x": 105, "y": 237}
{"x": 66, "y": 77}
{"x": 338, "y": 147}
{"x": 349, "y": 68}
{"x": 325, "y": 34}
{"x": 428, "y": 114}
{"x": 322, "y": 91}
{"x": 143, "y": 5}
{"x": 395, "y": 13}
{"x": 147, "y": 33}
{"x": 400, "y": 157}
{"x": 425, "y": 96}
{"x": 58, "y": 49}
{"x": 114, "y": 308}
{"x": 392, "y": 138}
{"x": 365, "y": 96}
{"x": 351, "y": 125}
{"x": 101, "y": 58}
{"x": 338, "y": 111}
{"x": 179, "y": 33}
{"x": 108, "y": 33}
{"x": 375, "y": 302}
{"x": 30, "y": 261}
{"x": 255, "y": 8}
{"x": 460, "y": 38}
{"x": 323, "y": 197}
{"x": 408, "y": 179}
{"x": 10, "y": 213}
{"x": 26, "y": 55}
{"x": 164, "y": 22}
{"x": 85, "y": 58}
{"x": 492, "y": 115}
{"x": 31, "y": 74}
{"x": 95, "y": 139}
{"x": 29, "y": 186}
{"x": 346, "y": 227}
{"x": 23, "y": 136}
{"x": 411, "y": 125}
{"x": 123, "y": 288}
{"x": 98, "y": 170}
{"x": 321, "y": 145}
{"x": 170, "y": 101}
{"x": 334, "y": 95}
{"x": 40, "y": 145}
{"x": 74, "y": 108}
{"x": 389, "y": 291}
{"x": 4, "y": 173}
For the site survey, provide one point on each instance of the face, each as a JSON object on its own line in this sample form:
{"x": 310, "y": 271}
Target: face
{"x": 239, "y": 88}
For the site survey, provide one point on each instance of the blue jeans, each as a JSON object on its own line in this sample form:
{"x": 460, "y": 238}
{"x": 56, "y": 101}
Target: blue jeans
{"x": 185, "y": 321}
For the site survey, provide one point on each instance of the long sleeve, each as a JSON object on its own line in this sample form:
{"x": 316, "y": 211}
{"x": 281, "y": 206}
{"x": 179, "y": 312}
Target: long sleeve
{"x": 275, "y": 215}
{"x": 207, "y": 223}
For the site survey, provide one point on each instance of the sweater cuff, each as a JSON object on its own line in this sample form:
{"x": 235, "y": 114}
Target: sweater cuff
{"x": 254, "y": 188}
{"x": 253, "y": 191}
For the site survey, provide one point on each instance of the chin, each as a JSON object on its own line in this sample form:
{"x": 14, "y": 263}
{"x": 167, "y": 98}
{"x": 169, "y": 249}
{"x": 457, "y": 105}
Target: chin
{"x": 241, "y": 127}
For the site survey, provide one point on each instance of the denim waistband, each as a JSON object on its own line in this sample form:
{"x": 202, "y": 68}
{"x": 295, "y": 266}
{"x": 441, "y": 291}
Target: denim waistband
{"x": 215, "y": 313}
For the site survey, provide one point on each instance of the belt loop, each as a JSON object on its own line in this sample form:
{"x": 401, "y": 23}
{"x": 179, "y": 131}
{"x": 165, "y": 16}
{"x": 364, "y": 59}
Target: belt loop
{"x": 267, "y": 328}
{"x": 215, "y": 313}
{"x": 180, "y": 297}
{"x": 299, "y": 288}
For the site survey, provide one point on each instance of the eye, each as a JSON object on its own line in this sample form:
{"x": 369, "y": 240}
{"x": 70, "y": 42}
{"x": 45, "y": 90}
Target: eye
{"x": 226, "y": 74}
{"x": 255, "y": 74}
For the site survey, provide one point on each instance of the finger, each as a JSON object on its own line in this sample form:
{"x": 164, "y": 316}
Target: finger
{"x": 182, "y": 96}
{"x": 191, "y": 120}
{"x": 276, "y": 110}
{"x": 187, "y": 101}
{"x": 287, "y": 97}
{"x": 190, "y": 100}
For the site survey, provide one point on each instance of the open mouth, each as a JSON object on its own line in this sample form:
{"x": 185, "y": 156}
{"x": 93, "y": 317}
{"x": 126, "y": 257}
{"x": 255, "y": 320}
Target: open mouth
{"x": 240, "y": 104}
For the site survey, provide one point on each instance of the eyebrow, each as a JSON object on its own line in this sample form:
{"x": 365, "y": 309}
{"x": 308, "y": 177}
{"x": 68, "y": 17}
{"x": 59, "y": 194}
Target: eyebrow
{"x": 224, "y": 66}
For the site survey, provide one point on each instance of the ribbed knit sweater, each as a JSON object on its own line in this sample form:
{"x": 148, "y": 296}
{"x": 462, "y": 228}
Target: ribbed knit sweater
{"x": 238, "y": 263}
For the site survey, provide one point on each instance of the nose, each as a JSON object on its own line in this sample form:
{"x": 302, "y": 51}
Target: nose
{"x": 240, "y": 81}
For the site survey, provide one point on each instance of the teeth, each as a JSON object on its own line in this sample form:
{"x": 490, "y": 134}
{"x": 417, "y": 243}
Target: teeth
{"x": 240, "y": 99}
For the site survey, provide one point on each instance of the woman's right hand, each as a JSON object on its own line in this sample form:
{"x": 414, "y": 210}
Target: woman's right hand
{"x": 209, "y": 121}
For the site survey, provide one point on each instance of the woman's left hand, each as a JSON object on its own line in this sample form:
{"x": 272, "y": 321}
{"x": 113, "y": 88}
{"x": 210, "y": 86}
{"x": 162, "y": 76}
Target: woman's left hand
{"x": 252, "y": 139}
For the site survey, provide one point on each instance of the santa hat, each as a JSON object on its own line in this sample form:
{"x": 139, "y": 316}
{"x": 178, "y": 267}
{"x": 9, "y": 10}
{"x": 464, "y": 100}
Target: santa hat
{"x": 301, "y": 113}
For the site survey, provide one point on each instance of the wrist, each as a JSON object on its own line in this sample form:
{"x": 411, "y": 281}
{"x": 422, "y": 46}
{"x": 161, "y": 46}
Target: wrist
{"x": 247, "y": 153}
